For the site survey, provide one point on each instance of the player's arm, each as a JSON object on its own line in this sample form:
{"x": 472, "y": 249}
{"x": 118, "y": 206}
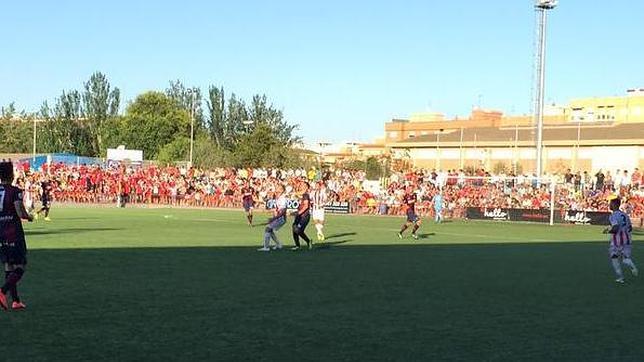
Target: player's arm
{"x": 614, "y": 226}
{"x": 21, "y": 211}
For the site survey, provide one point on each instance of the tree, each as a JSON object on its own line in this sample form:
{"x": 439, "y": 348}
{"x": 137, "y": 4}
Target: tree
{"x": 374, "y": 169}
{"x": 152, "y": 121}
{"x": 176, "y": 150}
{"x": 189, "y": 99}
{"x": 15, "y": 132}
{"x": 63, "y": 130}
{"x": 261, "y": 112}
{"x": 217, "y": 114}
{"x": 8, "y": 112}
{"x": 100, "y": 103}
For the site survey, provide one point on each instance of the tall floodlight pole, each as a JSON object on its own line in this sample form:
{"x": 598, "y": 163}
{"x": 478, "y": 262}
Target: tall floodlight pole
{"x": 542, "y": 7}
{"x": 193, "y": 95}
{"x": 34, "y": 148}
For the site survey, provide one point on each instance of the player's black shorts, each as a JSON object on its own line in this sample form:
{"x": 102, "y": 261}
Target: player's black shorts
{"x": 248, "y": 204}
{"x": 13, "y": 253}
{"x": 411, "y": 216}
{"x": 45, "y": 202}
{"x": 301, "y": 222}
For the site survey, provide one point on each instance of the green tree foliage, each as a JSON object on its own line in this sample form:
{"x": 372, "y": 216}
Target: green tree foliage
{"x": 207, "y": 154}
{"x": 152, "y": 121}
{"x": 216, "y": 121}
{"x": 100, "y": 104}
{"x": 63, "y": 129}
{"x": 176, "y": 150}
{"x": 250, "y": 135}
{"x": 16, "y": 130}
{"x": 374, "y": 169}
{"x": 189, "y": 99}
{"x": 355, "y": 165}
{"x": 87, "y": 122}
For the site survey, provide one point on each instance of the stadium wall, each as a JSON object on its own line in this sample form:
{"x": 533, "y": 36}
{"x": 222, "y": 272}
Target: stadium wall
{"x": 556, "y": 159}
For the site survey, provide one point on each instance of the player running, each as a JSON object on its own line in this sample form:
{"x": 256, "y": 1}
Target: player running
{"x": 320, "y": 199}
{"x": 45, "y": 199}
{"x": 409, "y": 200}
{"x": 302, "y": 217}
{"x": 248, "y": 202}
{"x": 276, "y": 222}
{"x": 620, "y": 240}
{"x": 438, "y": 207}
{"x": 13, "y": 249}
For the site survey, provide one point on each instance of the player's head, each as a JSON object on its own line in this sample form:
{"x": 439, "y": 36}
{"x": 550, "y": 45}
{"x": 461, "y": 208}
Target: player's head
{"x": 280, "y": 189}
{"x": 6, "y": 171}
{"x": 614, "y": 204}
{"x": 305, "y": 186}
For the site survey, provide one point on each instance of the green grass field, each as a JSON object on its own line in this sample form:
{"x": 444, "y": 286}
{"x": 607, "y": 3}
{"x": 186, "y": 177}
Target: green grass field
{"x": 169, "y": 284}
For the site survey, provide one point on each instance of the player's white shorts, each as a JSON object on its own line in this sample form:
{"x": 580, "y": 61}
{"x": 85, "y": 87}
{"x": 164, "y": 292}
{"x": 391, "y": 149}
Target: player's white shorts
{"x": 623, "y": 251}
{"x": 318, "y": 214}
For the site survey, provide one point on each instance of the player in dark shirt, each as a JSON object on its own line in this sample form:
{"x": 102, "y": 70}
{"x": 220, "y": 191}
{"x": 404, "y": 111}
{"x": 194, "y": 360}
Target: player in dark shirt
{"x": 45, "y": 199}
{"x": 248, "y": 202}
{"x": 302, "y": 217}
{"x": 409, "y": 200}
{"x": 13, "y": 248}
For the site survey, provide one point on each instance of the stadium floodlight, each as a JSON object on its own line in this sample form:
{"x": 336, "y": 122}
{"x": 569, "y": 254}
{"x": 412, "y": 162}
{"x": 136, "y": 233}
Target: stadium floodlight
{"x": 542, "y": 7}
{"x": 192, "y": 93}
{"x": 546, "y": 4}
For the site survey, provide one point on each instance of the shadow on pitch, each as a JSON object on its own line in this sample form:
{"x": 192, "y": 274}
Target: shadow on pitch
{"x": 67, "y": 231}
{"x": 425, "y": 235}
{"x": 335, "y": 236}
{"x": 331, "y": 244}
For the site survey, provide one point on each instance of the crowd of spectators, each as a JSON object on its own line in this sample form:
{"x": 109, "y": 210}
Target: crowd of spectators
{"x": 221, "y": 187}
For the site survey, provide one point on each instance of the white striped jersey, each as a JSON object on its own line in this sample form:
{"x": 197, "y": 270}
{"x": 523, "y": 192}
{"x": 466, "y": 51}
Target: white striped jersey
{"x": 624, "y": 228}
{"x": 319, "y": 199}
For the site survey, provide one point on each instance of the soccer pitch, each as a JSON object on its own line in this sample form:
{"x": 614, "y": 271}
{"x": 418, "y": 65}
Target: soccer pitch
{"x": 152, "y": 284}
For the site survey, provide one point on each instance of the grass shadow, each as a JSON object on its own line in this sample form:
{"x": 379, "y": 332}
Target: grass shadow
{"x": 425, "y": 235}
{"x": 331, "y": 244}
{"x": 335, "y": 236}
{"x": 67, "y": 231}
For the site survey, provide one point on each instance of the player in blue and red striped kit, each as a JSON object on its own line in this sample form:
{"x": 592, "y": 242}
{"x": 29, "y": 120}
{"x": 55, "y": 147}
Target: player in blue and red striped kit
{"x": 620, "y": 240}
{"x": 409, "y": 200}
{"x": 13, "y": 248}
{"x": 248, "y": 202}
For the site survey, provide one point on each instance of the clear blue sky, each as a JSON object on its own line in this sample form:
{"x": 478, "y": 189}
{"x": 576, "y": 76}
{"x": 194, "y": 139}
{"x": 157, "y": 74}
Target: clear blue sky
{"x": 338, "y": 68}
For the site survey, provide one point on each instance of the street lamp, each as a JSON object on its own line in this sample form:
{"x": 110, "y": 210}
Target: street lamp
{"x": 542, "y": 7}
{"x": 193, "y": 95}
{"x": 438, "y": 149}
{"x": 34, "y": 136}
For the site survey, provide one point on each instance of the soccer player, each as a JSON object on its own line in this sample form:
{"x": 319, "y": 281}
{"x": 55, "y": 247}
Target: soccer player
{"x": 13, "y": 248}
{"x": 302, "y": 217}
{"x": 438, "y": 207}
{"x": 248, "y": 202}
{"x": 45, "y": 199}
{"x": 620, "y": 240}
{"x": 276, "y": 222}
{"x": 320, "y": 199}
{"x": 409, "y": 200}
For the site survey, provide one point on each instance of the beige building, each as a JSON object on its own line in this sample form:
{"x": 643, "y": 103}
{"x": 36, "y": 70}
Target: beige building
{"x": 588, "y": 134}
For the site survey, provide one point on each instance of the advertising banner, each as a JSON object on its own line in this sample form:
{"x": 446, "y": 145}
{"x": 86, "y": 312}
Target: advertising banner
{"x": 587, "y": 217}
{"x": 332, "y": 207}
{"x": 533, "y": 215}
